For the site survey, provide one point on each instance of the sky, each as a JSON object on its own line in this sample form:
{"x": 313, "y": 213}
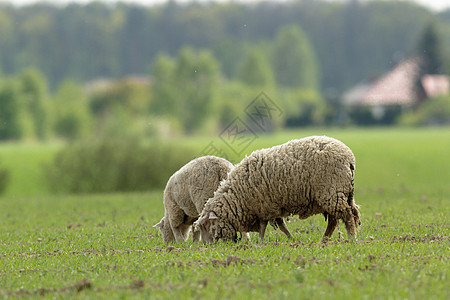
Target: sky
{"x": 435, "y": 5}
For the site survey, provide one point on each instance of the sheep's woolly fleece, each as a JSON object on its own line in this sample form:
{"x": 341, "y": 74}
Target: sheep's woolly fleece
{"x": 304, "y": 177}
{"x": 186, "y": 193}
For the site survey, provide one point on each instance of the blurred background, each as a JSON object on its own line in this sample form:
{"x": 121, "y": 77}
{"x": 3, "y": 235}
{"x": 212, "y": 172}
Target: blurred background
{"x": 84, "y": 84}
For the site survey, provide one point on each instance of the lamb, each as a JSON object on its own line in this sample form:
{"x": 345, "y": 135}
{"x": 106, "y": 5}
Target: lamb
{"x": 186, "y": 193}
{"x": 304, "y": 177}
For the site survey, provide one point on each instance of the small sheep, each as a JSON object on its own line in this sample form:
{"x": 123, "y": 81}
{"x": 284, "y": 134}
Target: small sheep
{"x": 304, "y": 177}
{"x": 186, "y": 193}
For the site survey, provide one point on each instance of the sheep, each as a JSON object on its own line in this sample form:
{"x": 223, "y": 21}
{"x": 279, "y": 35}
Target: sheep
{"x": 186, "y": 193}
{"x": 304, "y": 177}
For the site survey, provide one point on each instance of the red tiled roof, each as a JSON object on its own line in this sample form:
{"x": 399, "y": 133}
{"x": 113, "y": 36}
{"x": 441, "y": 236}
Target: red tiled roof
{"x": 398, "y": 87}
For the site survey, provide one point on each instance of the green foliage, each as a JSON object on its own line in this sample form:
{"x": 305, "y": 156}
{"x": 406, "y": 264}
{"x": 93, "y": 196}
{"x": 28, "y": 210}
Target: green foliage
{"x": 10, "y": 125}
{"x": 227, "y": 51}
{"x": 24, "y": 102}
{"x": 34, "y": 98}
{"x": 72, "y": 119}
{"x": 429, "y": 48}
{"x": 4, "y": 178}
{"x": 186, "y": 87}
{"x": 120, "y": 107}
{"x": 196, "y": 77}
{"x": 129, "y": 95}
{"x": 371, "y": 115}
{"x": 434, "y": 111}
{"x": 311, "y": 46}
{"x": 294, "y": 61}
{"x": 232, "y": 99}
{"x": 115, "y": 164}
{"x": 255, "y": 69}
{"x": 306, "y": 108}
{"x": 352, "y": 39}
{"x": 164, "y": 95}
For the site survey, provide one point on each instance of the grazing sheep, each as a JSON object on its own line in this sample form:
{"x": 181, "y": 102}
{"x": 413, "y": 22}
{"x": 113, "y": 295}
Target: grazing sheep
{"x": 304, "y": 177}
{"x": 186, "y": 193}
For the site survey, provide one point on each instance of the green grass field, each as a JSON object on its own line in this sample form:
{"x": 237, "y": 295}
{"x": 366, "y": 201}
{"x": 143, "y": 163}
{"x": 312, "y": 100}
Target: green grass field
{"x": 103, "y": 246}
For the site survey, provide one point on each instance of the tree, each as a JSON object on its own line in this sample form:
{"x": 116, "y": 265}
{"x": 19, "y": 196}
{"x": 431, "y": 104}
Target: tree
{"x": 255, "y": 70}
{"x": 430, "y": 49}
{"x": 164, "y": 99}
{"x": 196, "y": 76}
{"x": 34, "y": 94}
{"x": 185, "y": 89}
{"x": 233, "y": 97}
{"x": 120, "y": 107}
{"x": 135, "y": 39}
{"x": 71, "y": 113}
{"x": 4, "y": 179}
{"x": 294, "y": 61}
{"x": 10, "y": 125}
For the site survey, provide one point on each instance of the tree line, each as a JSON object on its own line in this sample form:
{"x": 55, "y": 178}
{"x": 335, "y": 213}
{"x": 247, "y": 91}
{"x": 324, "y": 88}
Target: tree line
{"x": 183, "y": 93}
{"x": 201, "y": 63}
{"x": 351, "y": 40}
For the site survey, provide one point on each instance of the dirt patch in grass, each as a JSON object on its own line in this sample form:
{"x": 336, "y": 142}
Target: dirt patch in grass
{"x": 230, "y": 260}
{"x": 76, "y": 287}
{"x": 90, "y": 251}
{"x": 423, "y": 239}
{"x": 293, "y": 245}
{"x": 85, "y": 284}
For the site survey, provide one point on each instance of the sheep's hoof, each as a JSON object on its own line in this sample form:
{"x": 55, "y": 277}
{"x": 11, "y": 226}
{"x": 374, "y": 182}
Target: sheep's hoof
{"x": 352, "y": 239}
{"x": 325, "y": 240}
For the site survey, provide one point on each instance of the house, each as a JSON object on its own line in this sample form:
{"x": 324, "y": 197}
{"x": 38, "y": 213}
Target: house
{"x": 402, "y": 88}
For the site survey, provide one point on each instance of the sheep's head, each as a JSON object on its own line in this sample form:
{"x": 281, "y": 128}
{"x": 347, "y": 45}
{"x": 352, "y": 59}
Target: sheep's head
{"x": 213, "y": 228}
{"x": 203, "y": 224}
{"x": 166, "y": 230}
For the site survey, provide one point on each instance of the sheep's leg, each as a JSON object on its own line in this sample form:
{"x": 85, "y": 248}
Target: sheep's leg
{"x": 332, "y": 223}
{"x": 262, "y": 229}
{"x": 181, "y": 232}
{"x": 283, "y": 227}
{"x": 348, "y": 212}
{"x": 195, "y": 235}
{"x": 177, "y": 219}
{"x": 350, "y": 226}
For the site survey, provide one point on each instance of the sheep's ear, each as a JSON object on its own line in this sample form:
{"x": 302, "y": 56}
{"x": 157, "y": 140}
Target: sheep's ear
{"x": 160, "y": 224}
{"x": 202, "y": 223}
{"x": 206, "y": 224}
{"x": 213, "y": 216}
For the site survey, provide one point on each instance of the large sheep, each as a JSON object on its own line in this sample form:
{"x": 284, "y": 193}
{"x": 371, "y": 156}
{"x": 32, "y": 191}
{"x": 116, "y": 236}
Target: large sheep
{"x": 304, "y": 177}
{"x": 186, "y": 193}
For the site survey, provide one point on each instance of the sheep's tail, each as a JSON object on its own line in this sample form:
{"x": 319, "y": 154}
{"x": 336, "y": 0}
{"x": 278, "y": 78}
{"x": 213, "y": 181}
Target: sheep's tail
{"x": 350, "y": 198}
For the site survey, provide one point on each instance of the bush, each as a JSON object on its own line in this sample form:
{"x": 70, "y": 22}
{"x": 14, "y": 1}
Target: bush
{"x": 369, "y": 116}
{"x": 434, "y": 111}
{"x": 306, "y": 108}
{"x": 4, "y": 179}
{"x": 115, "y": 164}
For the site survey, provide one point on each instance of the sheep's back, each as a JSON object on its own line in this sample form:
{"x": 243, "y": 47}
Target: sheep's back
{"x": 291, "y": 178}
{"x": 192, "y": 185}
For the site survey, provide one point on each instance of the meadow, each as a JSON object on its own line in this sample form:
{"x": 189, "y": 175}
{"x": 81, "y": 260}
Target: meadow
{"x": 104, "y": 246}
